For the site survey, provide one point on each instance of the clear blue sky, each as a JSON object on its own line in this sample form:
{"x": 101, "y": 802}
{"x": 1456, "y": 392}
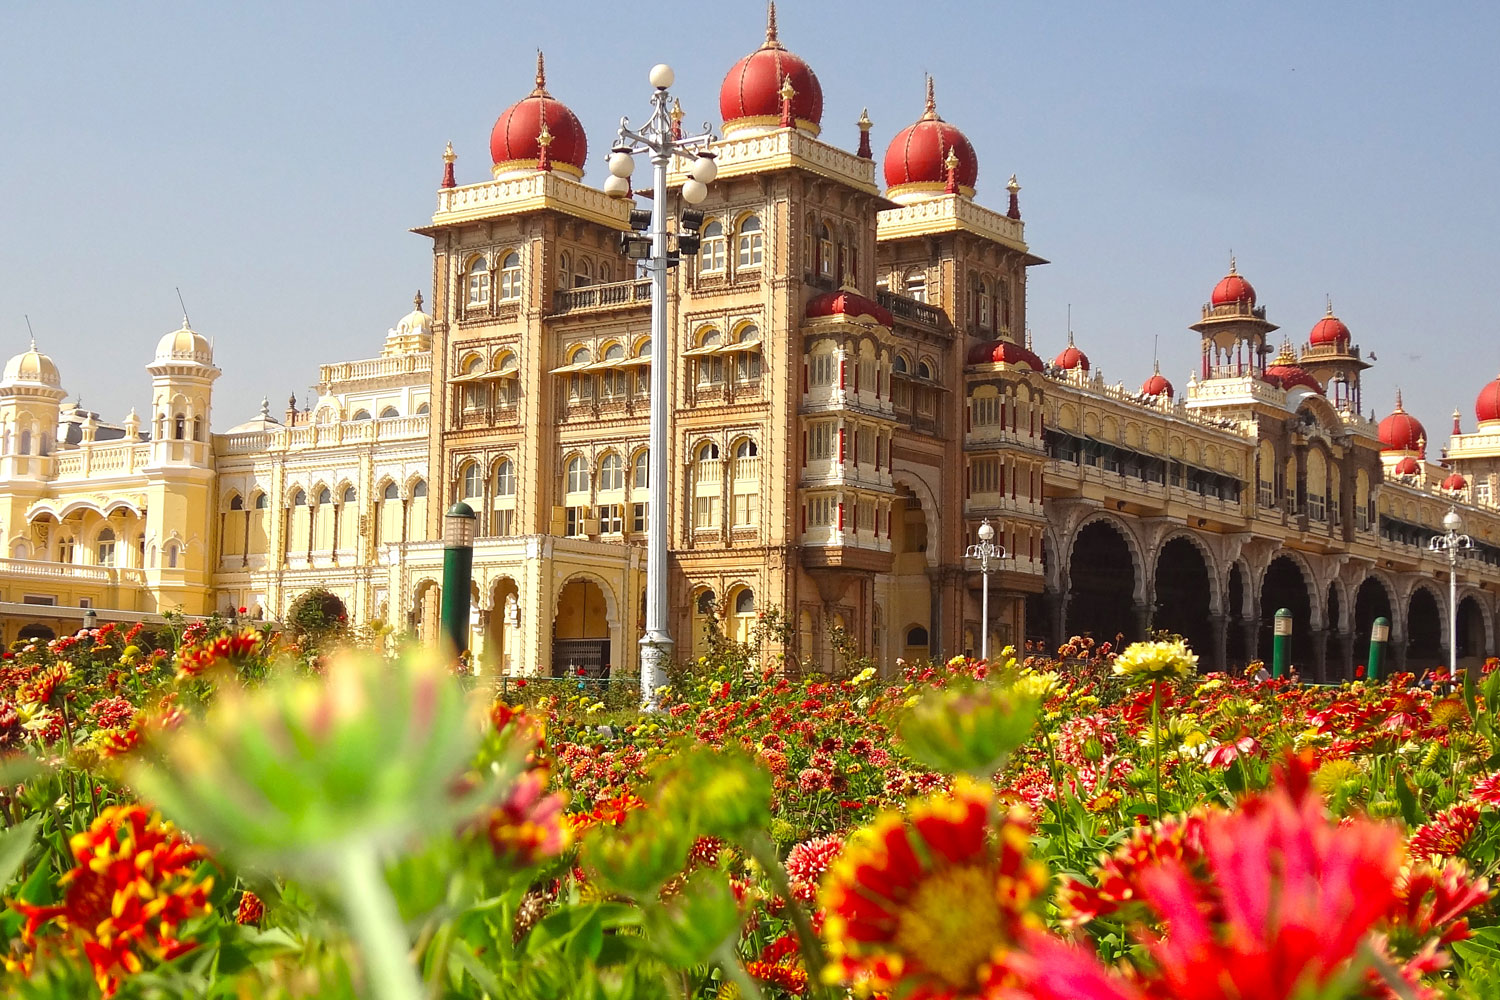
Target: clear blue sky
{"x": 269, "y": 158}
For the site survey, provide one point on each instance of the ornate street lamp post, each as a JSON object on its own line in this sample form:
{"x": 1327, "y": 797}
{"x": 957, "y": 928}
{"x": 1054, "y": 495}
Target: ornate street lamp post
{"x": 458, "y": 574}
{"x": 985, "y": 551}
{"x": 660, "y": 140}
{"x": 1452, "y": 541}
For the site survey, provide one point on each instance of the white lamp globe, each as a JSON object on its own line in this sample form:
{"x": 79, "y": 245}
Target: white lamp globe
{"x": 616, "y": 187}
{"x": 662, "y": 76}
{"x": 694, "y": 191}
{"x": 1453, "y": 522}
{"x": 621, "y": 163}
{"x": 705, "y": 169}
{"x": 986, "y": 532}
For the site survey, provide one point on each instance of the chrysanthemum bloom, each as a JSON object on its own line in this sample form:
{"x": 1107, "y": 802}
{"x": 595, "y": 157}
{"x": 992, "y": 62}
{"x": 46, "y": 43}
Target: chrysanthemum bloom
{"x": 930, "y": 904}
{"x": 807, "y": 861}
{"x": 127, "y": 897}
{"x": 251, "y": 910}
{"x": 1146, "y": 662}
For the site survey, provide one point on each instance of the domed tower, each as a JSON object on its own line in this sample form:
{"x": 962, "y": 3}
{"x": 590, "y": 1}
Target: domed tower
{"x": 756, "y": 89}
{"x": 1403, "y": 440}
{"x": 929, "y": 158}
{"x": 1288, "y": 374}
{"x": 1234, "y": 329}
{"x": 535, "y": 131}
{"x": 182, "y": 378}
{"x": 30, "y": 406}
{"x": 1071, "y": 362}
{"x": 1332, "y": 359}
{"x": 413, "y": 335}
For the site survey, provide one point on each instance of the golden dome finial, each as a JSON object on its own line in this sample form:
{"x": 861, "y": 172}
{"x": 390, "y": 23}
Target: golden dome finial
{"x": 950, "y": 161}
{"x": 676, "y": 114}
{"x": 448, "y": 154}
{"x": 864, "y": 122}
{"x": 931, "y": 111}
{"x": 1329, "y": 297}
{"x": 1012, "y": 185}
{"x": 773, "y": 40}
{"x": 541, "y": 74}
{"x": 787, "y": 90}
{"x": 1398, "y": 400}
{"x": 1231, "y": 263}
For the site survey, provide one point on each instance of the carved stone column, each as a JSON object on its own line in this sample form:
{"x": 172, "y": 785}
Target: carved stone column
{"x": 1220, "y": 654}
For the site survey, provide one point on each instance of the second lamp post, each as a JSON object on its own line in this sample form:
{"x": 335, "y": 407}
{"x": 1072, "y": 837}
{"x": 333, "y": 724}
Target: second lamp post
{"x": 985, "y": 551}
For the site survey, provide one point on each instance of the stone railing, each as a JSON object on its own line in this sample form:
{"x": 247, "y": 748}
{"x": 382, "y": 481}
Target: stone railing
{"x": 910, "y": 310}
{"x": 401, "y": 364}
{"x": 38, "y": 570}
{"x": 736, "y": 155}
{"x": 591, "y": 298}
{"x": 527, "y": 194}
{"x": 345, "y": 432}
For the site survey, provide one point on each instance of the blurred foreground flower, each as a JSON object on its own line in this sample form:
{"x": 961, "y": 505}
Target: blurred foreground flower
{"x": 322, "y": 777}
{"x": 970, "y": 729}
{"x": 931, "y": 904}
{"x": 126, "y": 900}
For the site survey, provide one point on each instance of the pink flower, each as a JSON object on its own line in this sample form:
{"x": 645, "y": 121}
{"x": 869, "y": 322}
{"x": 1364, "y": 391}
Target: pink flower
{"x": 810, "y": 780}
{"x": 1487, "y": 790}
{"x": 806, "y": 862}
{"x": 1227, "y": 753}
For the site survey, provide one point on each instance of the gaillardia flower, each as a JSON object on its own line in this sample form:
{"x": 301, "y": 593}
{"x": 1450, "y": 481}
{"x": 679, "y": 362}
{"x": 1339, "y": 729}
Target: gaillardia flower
{"x": 929, "y": 904}
{"x": 1147, "y": 662}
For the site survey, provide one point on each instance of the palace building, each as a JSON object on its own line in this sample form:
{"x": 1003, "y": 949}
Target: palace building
{"x": 853, "y": 391}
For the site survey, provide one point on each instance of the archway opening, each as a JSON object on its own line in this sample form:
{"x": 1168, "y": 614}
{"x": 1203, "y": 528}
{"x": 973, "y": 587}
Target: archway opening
{"x": 580, "y": 631}
{"x": 1235, "y": 608}
{"x": 1472, "y": 645}
{"x": 502, "y": 637}
{"x": 1371, "y": 601}
{"x": 1424, "y": 633}
{"x": 1285, "y": 587}
{"x": 35, "y": 631}
{"x": 1333, "y": 662}
{"x": 425, "y": 616}
{"x": 913, "y": 599}
{"x": 1182, "y": 592}
{"x": 1102, "y": 571}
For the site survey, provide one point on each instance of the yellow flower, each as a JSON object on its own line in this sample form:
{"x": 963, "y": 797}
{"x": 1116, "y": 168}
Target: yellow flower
{"x": 863, "y": 676}
{"x": 597, "y": 706}
{"x": 1147, "y": 662}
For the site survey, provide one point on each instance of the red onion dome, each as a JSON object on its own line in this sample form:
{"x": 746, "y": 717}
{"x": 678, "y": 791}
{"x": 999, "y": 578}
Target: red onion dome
{"x": 916, "y": 159}
{"x": 1453, "y": 482}
{"x": 1401, "y": 431}
{"x": 1407, "y": 467}
{"x": 1232, "y": 289}
{"x": 1487, "y": 406}
{"x": 1157, "y": 385}
{"x": 750, "y": 96}
{"x": 516, "y": 143}
{"x": 848, "y": 302}
{"x": 1329, "y": 330}
{"x": 1071, "y": 357}
{"x": 1003, "y": 352}
{"x": 1285, "y": 372}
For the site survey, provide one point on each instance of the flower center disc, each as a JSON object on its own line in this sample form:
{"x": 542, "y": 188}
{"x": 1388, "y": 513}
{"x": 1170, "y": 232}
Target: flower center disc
{"x": 952, "y": 924}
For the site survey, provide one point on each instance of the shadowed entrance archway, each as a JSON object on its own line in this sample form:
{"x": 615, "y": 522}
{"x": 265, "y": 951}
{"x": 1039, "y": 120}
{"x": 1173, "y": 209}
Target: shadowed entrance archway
{"x": 580, "y": 631}
{"x": 1284, "y": 586}
{"x": 1182, "y": 596}
{"x": 1102, "y": 596}
{"x": 1472, "y": 644}
{"x": 1371, "y": 601}
{"x": 1424, "y": 633}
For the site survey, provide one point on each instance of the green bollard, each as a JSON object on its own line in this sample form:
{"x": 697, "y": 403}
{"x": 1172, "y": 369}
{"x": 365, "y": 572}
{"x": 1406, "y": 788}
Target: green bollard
{"x": 458, "y": 575}
{"x": 1281, "y": 637}
{"x": 1380, "y": 634}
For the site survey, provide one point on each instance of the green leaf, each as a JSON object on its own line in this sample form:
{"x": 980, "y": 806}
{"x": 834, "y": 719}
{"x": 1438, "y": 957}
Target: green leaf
{"x": 1470, "y": 702}
{"x": 1406, "y": 800}
{"x": 14, "y": 844}
{"x": 687, "y": 929}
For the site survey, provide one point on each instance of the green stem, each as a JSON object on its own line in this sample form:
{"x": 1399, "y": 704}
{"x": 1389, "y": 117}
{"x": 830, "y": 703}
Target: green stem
{"x": 730, "y": 963}
{"x": 375, "y": 925}
{"x": 764, "y": 853}
{"x": 1057, "y": 794}
{"x": 1156, "y": 741}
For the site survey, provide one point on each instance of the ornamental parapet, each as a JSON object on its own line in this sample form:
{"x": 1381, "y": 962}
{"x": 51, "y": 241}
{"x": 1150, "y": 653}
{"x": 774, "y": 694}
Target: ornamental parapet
{"x": 542, "y": 191}
{"x": 737, "y": 156}
{"x": 950, "y": 213}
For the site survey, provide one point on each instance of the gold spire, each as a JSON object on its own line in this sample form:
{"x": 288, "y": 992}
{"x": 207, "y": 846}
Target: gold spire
{"x": 931, "y": 112}
{"x": 1398, "y": 400}
{"x": 541, "y": 76}
{"x": 676, "y": 114}
{"x": 864, "y": 122}
{"x": 950, "y": 162}
{"x": 448, "y": 154}
{"x": 1012, "y": 186}
{"x": 544, "y": 137}
{"x": 1286, "y": 357}
{"x": 772, "y": 40}
{"x": 1330, "y": 304}
{"x": 787, "y": 90}
{"x": 1231, "y": 263}
{"x": 417, "y": 300}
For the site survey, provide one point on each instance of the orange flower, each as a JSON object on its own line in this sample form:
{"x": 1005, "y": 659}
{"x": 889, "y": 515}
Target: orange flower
{"x": 128, "y": 896}
{"x": 929, "y": 904}
{"x": 195, "y": 660}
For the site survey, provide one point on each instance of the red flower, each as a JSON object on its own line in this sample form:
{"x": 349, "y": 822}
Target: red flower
{"x": 806, "y": 862}
{"x": 124, "y": 902}
{"x": 1447, "y": 834}
{"x": 1487, "y": 790}
{"x": 528, "y": 826}
{"x": 251, "y": 910}
{"x": 1227, "y": 753}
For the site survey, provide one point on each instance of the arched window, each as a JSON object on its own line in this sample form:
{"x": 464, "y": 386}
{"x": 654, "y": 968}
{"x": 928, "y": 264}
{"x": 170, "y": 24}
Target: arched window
{"x": 751, "y": 244}
{"x": 361, "y": 415}
{"x": 580, "y": 383}
{"x": 510, "y": 277}
{"x": 916, "y": 286}
{"x": 299, "y": 499}
{"x": 705, "y": 602}
{"x": 711, "y": 253}
{"x": 388, "y": 412}
{"x": 606, "y": 273}
{"x": 710, "y": 363}
{"x": 826, "y": 251}
{"x": 612, "y": 380}
{"x": 585, "y": 275}
{"x": 641, "y": 476}
{"x": 746, "y": 449}
{"x": 197, "y": 428}
{"x": 899, "y": 364}
{"x": 564, "y": 270}
{"x": 104, "y": 548}
{"x": 984, "y": 304}
{"x": 578, "y": 475}
{"x": 707, "y": 452}
{"x": 26, "y": 442}
{"x": 422, "y": 410}
{"x": 924, "y": 370}
{"x": 473, "y": 487}
{"x": 349, "y": 495}
{"x": 236, "y": 502}
{"x": 179, "y": 427}
{"x": 479, "y": 281}
{"x": 505, "y": 479}
{"x": 916, "y": 636}
{"x": 325, "y": 495}
{"x": 392, "y": 492}
{"x": 169, "y": 555}
{"x": 611, "y": 472}
{"x": 419, "y": 489}
{"x": 747, "y": 361}
{"x": 744, "y": 601}
{"x": 262, "y": 501}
